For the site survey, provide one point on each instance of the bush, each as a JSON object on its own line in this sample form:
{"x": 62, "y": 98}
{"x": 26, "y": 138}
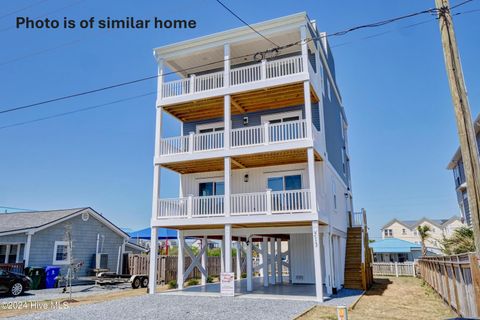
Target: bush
{"x": 193, "y": 282}
{"x": 172, "y": 284}
{"x": 209, "y": 279}
{"x": 244, "y": 275}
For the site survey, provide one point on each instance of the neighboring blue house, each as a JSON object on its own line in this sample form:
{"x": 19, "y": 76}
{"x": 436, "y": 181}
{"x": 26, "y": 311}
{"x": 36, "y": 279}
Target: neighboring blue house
{"x": 40, "y": 238}
{"x": 456, "y": 164}
{"x": 395, "y": 250}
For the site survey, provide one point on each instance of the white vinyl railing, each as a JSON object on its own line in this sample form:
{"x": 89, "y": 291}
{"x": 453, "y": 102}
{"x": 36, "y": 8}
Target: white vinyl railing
{"x": 241, "y": 137}
{"x": 208, "y": 141}
{"x": 256, "y": 72}
{"x": 170, "y": 208}
{"x": 291, "y": 201}
{"x": 176, "y": 88}
{"x": 284, "y": 67}
{"x": 256, "y": 203}
{"x": 357, "y": 219}
{"x": 246, "y": 74}
{"x": 209, "y": 82}
{"x": 174, "y": 145}
{"x": 249, "y": 203}
{"x": 394, "y": 269}
{"x": 207, "y": 206}
{"x": 248, "y": 136}
{"x": 291, "y": 130}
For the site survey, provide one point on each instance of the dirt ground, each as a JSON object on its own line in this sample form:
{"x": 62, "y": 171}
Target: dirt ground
{"x": 392, "y": 298}
{"x": 96, "y": 298}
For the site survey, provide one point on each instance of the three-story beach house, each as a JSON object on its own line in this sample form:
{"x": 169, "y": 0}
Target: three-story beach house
{"x": 262, "y": 155}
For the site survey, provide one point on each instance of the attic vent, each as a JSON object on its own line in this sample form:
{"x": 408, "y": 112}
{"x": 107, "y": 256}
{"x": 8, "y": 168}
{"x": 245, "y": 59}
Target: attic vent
{"x": 85, "y": 216}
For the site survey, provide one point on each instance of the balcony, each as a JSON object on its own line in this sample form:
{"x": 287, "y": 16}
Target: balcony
{"x": 266, "y": 134}
{"x": 243, "y": 204}
{"x": 250, "y": 74}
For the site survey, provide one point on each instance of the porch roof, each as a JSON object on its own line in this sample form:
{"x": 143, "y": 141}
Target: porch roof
{"x": 394, "y": 245}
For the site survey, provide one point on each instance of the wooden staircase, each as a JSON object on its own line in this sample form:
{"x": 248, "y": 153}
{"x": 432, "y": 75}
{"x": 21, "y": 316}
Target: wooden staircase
{"x": 358, "y": 269}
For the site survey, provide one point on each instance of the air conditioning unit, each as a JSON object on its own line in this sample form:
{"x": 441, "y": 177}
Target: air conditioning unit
{"x": 101, "y": 261}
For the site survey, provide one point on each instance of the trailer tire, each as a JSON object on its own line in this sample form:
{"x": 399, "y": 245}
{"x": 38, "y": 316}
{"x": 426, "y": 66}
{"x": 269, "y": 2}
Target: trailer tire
{"x": 136, "y": 283}
{"x": 144, "y": 281}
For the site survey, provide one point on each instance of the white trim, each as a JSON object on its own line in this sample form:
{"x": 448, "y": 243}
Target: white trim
{"x": 55, "y": 247}
{"x": 281, "y": 115}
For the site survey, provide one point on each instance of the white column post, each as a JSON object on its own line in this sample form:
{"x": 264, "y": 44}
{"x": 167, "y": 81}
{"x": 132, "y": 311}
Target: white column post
{"x": 304, "y": 45}
{"x": 227, "y": 185}
{"x": 311, "y": 179}
{"x": 279, "y": 261}
{"x": 396, "y": 269}
{"x": 7, "y": 252}
{"x": 205, "y": 259}
{"x": 228, "y": 248}
{"x": 26, "y": 250}
{"x": 328, "y": 261}
{"x": 249, "y": 265}
{"x": 180, "y": 259}
{"x": 227, "y": 121}
{"x": 18, "y": 253}
{"x": 308, "y": 108}
{"x": 159, "y": 80}
{"x": 222, "y": 254}
{"x": 226, "y": 64}
{"x": 191, "y": 142}
{"x": 265, "y": 261}
{"x": 334, "y": 267}
{"x": 273, "y": 274}
{"x": 269, "y": 201}
{"x": 152, "y": 283}
{"x": 317, "y": 261}
{"x": 263, "y": 70}
{"x": 238, "y": 258}
{"x": 289, "y": 261}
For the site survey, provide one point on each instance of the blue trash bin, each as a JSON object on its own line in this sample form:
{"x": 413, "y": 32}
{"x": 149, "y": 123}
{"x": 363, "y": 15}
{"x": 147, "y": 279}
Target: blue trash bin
{"x": 51, "y": 273}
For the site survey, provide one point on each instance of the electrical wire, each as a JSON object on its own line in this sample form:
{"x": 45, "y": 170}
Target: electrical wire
{"x": 22, "y": 9}
{"x": 121, "y": 84}
{"x": 246, "y": 23}
{"x": 77, "y": 110}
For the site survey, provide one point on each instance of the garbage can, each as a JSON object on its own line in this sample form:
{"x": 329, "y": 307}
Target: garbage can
{"x": 37, "y": 274}
{"x": 51, "y": 272}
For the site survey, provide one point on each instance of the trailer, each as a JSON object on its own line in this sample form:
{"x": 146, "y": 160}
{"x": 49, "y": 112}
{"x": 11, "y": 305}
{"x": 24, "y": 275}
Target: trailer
{"x": 112, "y": 278}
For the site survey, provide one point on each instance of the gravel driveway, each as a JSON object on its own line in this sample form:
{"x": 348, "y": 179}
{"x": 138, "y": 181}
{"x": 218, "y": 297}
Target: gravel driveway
{"x": 180, "y": 307}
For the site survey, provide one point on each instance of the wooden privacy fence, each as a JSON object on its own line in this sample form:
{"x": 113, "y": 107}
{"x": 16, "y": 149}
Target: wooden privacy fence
{"x": 456, "y": 279}
{"x": 167, "y": 266}
{"x": 396, "y": 269}
{"x": 13, "y": 267}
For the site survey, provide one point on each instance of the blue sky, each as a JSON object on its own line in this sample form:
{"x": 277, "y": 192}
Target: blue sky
{"x": 402, "y": 130}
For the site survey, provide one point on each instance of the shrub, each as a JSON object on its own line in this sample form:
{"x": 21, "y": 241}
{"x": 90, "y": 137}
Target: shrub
{"x": 172, "y": 284}
{"x": 244, "y": 275}
{"x": 209, "y": 279}
{"x": 193, "y": 282}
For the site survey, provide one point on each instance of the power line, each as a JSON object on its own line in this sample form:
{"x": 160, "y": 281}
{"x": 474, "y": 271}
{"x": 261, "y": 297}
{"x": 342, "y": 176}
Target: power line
{"x": 121, "y": 84}
{"x": 77, "y": 111}
{"x": 22, "y": 9}
{"x": 246, "y": 23}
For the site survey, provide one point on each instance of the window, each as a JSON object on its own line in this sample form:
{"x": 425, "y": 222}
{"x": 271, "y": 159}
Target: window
{"x": 334, "y": 192}
{"x": 293, "y": 182}
{"x": 329, "y": 91}
{"x": 61, "y": 253}
{"x": 404, "y": 231}
{"x": 282, "y": 117}
{"x": 388, "y": 233}
{"x": 210, "y": 127}
{"x": 214, "y": 188}
{"x": 344, "y": 164}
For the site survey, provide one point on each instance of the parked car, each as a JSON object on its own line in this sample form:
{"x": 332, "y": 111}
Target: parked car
{"x": 14, "y": 283}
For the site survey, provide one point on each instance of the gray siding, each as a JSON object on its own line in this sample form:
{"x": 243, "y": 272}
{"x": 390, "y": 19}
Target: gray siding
{"x": 13, "y": 238}
{"x": 84, "y": 235}
{"x": 254, "y": 118}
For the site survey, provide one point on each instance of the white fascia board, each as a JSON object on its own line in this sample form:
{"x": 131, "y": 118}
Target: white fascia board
{"x": 246, "y": 232}
{"x": 237, "y": 34}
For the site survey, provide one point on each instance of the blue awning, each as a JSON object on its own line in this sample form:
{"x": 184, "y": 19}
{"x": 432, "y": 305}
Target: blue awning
{"x": 145, "y": 234}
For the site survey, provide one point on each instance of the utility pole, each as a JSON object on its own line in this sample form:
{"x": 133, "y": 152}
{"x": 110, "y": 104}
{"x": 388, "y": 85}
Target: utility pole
{"x": 466, "y": 130}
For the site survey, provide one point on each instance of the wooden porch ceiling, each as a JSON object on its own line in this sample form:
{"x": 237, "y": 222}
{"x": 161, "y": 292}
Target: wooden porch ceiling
{"x": 246, "y": 226}
{"x": 242, "y": 162}
{"x": 250, "y": 101}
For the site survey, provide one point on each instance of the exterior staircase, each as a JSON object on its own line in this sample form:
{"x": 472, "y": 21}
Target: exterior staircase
{"x": 358, "y": 269}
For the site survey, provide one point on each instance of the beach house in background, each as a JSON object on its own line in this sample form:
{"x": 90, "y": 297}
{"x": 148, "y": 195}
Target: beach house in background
{"x": 456, "y": 165}
{"x": 41, "y": 238}
{"x": 407, "y": 230}
{"x": 262, "y": 155}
